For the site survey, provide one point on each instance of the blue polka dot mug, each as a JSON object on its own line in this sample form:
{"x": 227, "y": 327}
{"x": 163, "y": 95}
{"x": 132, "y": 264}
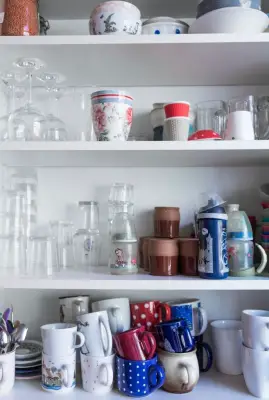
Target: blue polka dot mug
{"x": 139, "y": 378}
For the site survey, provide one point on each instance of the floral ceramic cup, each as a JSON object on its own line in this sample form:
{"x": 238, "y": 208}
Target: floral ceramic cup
{"x": 112, "y": 113}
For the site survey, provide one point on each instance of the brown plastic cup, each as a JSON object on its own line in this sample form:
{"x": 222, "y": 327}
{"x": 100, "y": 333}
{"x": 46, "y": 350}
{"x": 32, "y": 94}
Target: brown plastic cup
{"x": 163, "y": 257}
{"x": 143, "y": 249}
{"x": 188, "y": 256}
{"x": 166, "y": 222}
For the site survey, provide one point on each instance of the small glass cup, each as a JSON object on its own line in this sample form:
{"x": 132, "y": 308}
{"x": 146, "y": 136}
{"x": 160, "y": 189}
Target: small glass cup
{"x": 13, "y": 255}
{"x": 41, "y": 256}
{"x": 62, "y": 234}
{"x": 211, "y": 115}
{"x": 87, "y": 245}
{"x": 88, "y": 216}
{"x": 121, "y": 193}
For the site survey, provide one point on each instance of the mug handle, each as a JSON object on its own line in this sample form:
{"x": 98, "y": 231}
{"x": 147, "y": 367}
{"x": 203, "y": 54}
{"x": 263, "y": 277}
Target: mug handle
{"x": 68, "y": 377}
{"x": 186, "y": 340}
{"x": 263, "y": 264}
{"x": 209, "y": 355}
{"x": 190, "y": 372}
{"x": 4, "y": 368}
{"x": 160, "y": 373}
{"x": 81, "y": 340}
{"x": 164, "y": 309}
{"x": 152, "y": 343}
{"x": 203, "y": 317}
{"x": 108, "y": 350}
{"x": 109, "y": 373}
{"x": 76, "y": 308}
{"x": 115, "y": 311}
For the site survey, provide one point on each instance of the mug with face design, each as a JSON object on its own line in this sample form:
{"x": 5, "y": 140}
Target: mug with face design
{"x": 97, "y": 374}
{"x": 71, "y": 307}
{"x": 149, "y": 313}
{"x": 135, "y": 344}
{"x": 98, "y": 338}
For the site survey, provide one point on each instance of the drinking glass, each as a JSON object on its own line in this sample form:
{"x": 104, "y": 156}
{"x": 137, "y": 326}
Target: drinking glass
{"x": 83, "y": 125}
{"x": 41, "y": 256}
{"x": 13, "y": 255}
{"x": 55, "y": 127}
{"x": 88, "y": 215}
{"x": 246, "y": 103}
{"x": 27, "y": 122}
{"x": 87, "y": 248}
{"x": 211, "y": 115}
{"x": 62, "y": 233}
{"x": 121, "y": 193}
{"x": 13, "y": 207}
{"x": 263, "y": 117}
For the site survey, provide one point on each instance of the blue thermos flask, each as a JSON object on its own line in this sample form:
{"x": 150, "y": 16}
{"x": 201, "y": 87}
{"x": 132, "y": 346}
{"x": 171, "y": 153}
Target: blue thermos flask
{"x": 212, "y": 232}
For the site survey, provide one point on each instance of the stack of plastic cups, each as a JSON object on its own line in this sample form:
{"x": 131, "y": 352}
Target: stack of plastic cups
{"x": 177, "y": 122}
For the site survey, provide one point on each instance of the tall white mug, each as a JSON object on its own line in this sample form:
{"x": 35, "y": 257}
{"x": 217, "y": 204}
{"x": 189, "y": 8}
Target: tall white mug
{"x": 227, "y": 342}
{"x": 7, "y": 372}
{"x": 240, "y": 126}
{"x": 60, "y": 339}
{"x": 255, "y": 326}
{"x": 255, "y": 365}
{"x": 98, "y": 338}
{"x": 118, "y": 313}
{"x": 97, "y": 373}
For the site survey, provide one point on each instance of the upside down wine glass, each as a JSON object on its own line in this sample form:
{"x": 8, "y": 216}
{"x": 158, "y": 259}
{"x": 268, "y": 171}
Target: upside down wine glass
{"x": 55, "y": 127}
{"x": 27, "y": 122}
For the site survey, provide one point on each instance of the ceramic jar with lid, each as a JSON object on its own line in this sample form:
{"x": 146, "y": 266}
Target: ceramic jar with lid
{"x": 163, "y": 257}
{"x": 166, "y": 222}
{"x": 21, "y": 18}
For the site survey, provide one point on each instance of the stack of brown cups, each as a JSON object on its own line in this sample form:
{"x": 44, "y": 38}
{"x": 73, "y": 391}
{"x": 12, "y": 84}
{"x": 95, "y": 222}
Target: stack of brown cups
{"x": 188, "y": 256}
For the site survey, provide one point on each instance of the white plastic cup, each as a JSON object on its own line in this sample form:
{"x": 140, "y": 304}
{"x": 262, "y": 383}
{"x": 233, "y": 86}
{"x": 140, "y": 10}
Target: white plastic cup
{"x": 227, "y": 341}
{"x": 240, "y": 126}
{"x": 177, "y": 128}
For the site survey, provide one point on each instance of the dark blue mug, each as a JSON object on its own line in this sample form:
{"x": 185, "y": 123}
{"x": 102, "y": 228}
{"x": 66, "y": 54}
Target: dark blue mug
{"x": 138, "y": 378}
{"x": 204, "y": 351}
{"x": 174, "y": 336}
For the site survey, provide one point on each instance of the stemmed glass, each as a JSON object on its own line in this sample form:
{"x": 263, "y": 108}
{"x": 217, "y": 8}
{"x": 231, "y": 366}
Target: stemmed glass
{"x": 27, "y": 122}
{"x": 56, "y": 129}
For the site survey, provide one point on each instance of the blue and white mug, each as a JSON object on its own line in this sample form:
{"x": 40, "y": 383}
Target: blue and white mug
{"x": 192, "y": 311}
{"x": 174, "y": 336}
{"x": 139, "y": 378}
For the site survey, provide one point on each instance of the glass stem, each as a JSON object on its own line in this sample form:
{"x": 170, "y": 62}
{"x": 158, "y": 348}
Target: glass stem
{"x": 30, "y": 79}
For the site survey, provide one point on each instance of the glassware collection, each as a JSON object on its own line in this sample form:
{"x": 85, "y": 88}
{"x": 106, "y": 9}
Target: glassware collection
{"x": 123, "y": 18}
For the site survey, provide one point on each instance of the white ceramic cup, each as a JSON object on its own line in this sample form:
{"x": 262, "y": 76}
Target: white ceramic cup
{"x": 255, "y": 364}
{"x": 240, "y": 126}
{"x": 227, "y": 343}
{"x": 71, "y": 307}
{"x": 118, "y": 311}
{"x": 58, "y": 373}
{"x": 7, "y": 372}
{"x": 98, "y": 338}
{"x": 255, "y": 326}
{"x": 177, "y": 128}
{"x": 97, "y": 373}
{"x": 59, "y": 339}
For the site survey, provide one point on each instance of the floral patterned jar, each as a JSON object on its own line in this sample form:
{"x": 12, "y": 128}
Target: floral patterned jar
{"x": 112, "y": 113}
{"x": 21, "y": 18}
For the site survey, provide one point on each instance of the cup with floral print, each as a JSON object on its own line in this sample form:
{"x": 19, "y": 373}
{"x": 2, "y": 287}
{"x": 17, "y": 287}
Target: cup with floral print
{"x": 112, "y": 113}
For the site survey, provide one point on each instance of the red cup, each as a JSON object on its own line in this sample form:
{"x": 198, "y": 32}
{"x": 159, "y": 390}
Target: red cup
{"x": 136, "y": 344}
{"x": 179, "y": 109}
{"x": 149, "y": 313}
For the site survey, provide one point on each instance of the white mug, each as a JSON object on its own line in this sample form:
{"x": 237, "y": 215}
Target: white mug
{"x": 227, "y": 342}
{"x": 97, "y": 373}
{"x": 71, "y": 307}
{"x": 181, "y": 371}
{"x": 255, "y": 326}
{"x": 98, "y": 338}
{"x": 240, "y": 126}
{"x": 118, "y": 313}
{"x": 58, "y": 373}
{"x": 255, "y": 365}
{"x": 7, "y": 372}
{"x": 60, "y": 339}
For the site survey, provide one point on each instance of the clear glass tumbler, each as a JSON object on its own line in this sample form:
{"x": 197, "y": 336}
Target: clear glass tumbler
{"x": 211, "y": 115}
{"x": 263, "y": 117}
{"x": 41, "y": 256}
{"x": 87, "y": 245}
{"x": 62, "y": 233}
{"x": 13, "y": 255}
{"x": 88, "y": 215}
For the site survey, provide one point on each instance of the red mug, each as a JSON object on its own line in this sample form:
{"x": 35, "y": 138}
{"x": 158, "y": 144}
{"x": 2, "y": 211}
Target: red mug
{"x": 149, "y": 314}
{"x": 136, "y": 344}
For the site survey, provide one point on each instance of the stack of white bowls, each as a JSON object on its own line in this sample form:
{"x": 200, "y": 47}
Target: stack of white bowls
{"x": 115, "y": 18}
{"x": 229, "y": 16}
{"x": 164, "y": 26}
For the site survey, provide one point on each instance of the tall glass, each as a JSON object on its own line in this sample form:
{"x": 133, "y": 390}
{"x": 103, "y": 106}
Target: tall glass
{"x": 62, "y": 233}
{"x": 263, "y": 117}
{"x": 211, "y": 115}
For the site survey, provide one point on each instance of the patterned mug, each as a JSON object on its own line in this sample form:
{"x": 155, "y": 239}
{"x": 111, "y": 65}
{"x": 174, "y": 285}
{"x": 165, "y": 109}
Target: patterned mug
{"x": 149, "y": 313}
{"x": 174, "y": 336}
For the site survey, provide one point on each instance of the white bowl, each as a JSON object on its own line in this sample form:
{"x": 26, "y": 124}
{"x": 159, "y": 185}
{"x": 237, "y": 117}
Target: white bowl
{"x": 128, "y": 9}
{"x": 164, "y": 25}
{"x": 231, "y": 20}
{"x": 107, "y": 23}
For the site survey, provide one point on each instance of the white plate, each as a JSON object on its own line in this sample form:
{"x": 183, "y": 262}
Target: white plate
{"x": 32, "y": 364}
{"x": 29, "y": 349}
{"x": 231, "y": 20}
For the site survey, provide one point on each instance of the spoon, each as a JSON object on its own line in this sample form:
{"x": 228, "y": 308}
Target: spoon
{"x": 4, "y": 340}
{"x": 19, "y": 334}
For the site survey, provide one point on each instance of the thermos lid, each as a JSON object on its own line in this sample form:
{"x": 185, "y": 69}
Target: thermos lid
{"x": 213, "y": 200}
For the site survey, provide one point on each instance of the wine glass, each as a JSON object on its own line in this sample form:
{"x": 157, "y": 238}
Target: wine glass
{"x": 27, "y": 122}
{"x": 55, "y": 129}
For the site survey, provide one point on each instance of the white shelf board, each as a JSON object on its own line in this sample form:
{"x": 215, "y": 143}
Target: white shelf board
{"x": 211, "y": 385}
{"x": 100, "y": 279}
{"x": 136, "y": 154}
{"x": 148, "y": 60}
